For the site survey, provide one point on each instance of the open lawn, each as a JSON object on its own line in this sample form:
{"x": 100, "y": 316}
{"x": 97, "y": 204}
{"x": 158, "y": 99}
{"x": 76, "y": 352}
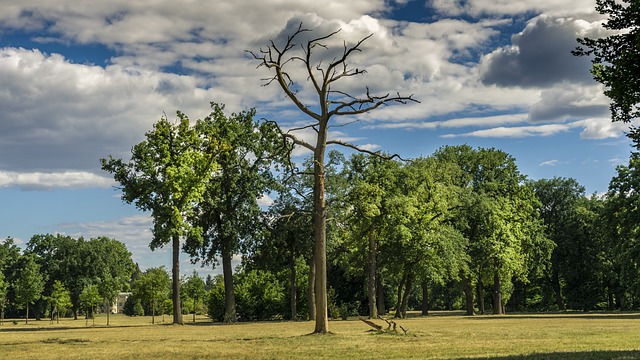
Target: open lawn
{"x": 439, "y": 336}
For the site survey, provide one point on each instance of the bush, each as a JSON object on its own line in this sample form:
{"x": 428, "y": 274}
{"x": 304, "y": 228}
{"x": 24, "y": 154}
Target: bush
{"x": 133, "y": 307}
{"x": 215, "y": 299}
{"x": 259, "y": 296}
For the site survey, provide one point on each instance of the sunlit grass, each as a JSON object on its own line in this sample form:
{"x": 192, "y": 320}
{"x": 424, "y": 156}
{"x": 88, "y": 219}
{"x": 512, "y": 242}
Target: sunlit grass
{"x": 561, "y": 336}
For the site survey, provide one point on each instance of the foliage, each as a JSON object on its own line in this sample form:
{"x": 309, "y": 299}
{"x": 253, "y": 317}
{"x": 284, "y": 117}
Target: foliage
{"x": 29, "y": 284}
{"x": 152, "y": 288}
{"x": 60, "y": 299}
{"x": 259, "y": 296}
{"x": 616, "y": 58}
{"x": 166, "y": 175}
{"x": 193, "y": 287}
{"x": 133, "y": 307}
{"x": 249, "y": 154}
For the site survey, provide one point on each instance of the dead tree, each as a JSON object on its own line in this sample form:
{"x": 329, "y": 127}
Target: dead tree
{"x": 322, "y": 75}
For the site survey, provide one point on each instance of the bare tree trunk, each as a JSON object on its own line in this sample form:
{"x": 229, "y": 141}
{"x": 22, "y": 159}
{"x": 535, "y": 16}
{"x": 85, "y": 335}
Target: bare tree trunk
{"x": 175, "y": 269}
{"x": 320, "y": 230}
{"x": 380, "y": 296}
{"x": 294, "y": 288}
{"x": 26, "y": 318}
{"x": 108, "y": 312}
{"x": 480, "y": 295}
{"x": 497, "y": 294}
{"x": 311, "y": 288}
{"x": 468, "y": 293}
{"x": 229, "y": 295}
{"x": 425, "y": 298}
{"x": 371, "y": 291}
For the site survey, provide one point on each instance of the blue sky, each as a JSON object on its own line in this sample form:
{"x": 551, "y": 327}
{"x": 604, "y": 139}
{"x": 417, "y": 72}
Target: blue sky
{"x": 83, "y": 80}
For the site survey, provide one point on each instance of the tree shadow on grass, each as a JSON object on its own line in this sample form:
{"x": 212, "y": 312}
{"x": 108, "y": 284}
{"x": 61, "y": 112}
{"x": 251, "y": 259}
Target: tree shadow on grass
{"x": 586, "y": 355}
{"x": 542, "y": 316}
{"x": 62, "y": 328}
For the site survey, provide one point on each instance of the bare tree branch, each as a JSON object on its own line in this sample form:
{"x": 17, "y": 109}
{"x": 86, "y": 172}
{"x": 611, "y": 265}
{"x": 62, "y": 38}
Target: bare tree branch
{"x": 359, "y": 149}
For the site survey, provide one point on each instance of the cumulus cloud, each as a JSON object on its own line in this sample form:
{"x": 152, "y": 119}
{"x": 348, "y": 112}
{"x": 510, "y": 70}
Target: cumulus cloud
{"x": 133, "y": 231}
{"x": 539, "y": 56}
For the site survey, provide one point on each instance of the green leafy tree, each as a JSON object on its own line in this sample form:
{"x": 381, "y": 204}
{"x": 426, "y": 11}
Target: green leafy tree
{"x": 229, "y": 212}
{"x": 29, "y": 284}
{"x": 499, "y": 217}
{"x": 559, "y": 199}
{"x": 193, "y": 287}
{"x": 9, "y": 267}
{"x": 153, "y": 288}
{"x": 90, "y": 298}
{"x": 331, "y": 102}
{"x": 112, "y": 268}
{"x": 60, "y": 300}
{"x": 4, "y": 296}
{"x": 167, "y": 175}
{"x": 616, "y": 59}
{"x": 622, "y": 211}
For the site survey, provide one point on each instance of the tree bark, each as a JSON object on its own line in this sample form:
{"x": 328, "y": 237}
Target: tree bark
{"x": 407, "y": 293}
{"x": 320, "y": 228}
{"x": 555, "y": 283}
{"x": 177, "y": 308}
{"x": 480, "y": 296}
{"x": 468, "y": 293}
{"x": 380, "y": 296}
{"x": 294, "y": 289}
{"x": 229, "y": 295}
{"x": 425, "y": 298}
{"x": 399, "y": 298}
{"x": 311, "y": 288}
{"x": 26, "y": 318}
{"x": 497, "y": 294}
{"x": 371, "y": 291}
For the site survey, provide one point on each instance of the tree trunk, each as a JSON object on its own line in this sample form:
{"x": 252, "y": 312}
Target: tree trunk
{"x": 320, "y": 231}
{"x": 468, "y": 293}
{"x": 293, "y": 286}
{"x": 555, "y": 283}
{"x": 380, "y": 296}
{"x": 108, "y": 313}
{"x": 175, "y": 269}
{"x": 26, "y": 318}
{"x": 311, "y": 288}
{"x": 153, "y": 311}
{"x": 399, "y": 295}
{"x": 229, "y": 295}
{"x": 407, "y": 293}
{"x": 480, "y": 296}
{"x": 425, "y": 298}
{"x": 497, "y": 294}
{"x": 371, "y": 291}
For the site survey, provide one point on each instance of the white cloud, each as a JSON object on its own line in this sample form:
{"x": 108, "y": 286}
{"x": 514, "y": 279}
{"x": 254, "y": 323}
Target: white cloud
{"x": 515, "y": 132}
{"x": 549, "y": 163}
{"x": 265, "y": 200}
{"x": 45, "y": 181}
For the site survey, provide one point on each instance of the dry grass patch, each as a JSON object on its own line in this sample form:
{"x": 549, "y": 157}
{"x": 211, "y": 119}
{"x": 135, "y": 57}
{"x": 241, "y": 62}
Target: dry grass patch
{"x": 564, "y": 336}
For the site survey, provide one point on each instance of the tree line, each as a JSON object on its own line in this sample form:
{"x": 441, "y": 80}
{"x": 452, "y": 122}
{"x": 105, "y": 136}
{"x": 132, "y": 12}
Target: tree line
{"x": 460, "y": 229}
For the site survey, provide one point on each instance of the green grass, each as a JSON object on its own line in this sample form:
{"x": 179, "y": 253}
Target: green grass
{"x": 522, "y": 336}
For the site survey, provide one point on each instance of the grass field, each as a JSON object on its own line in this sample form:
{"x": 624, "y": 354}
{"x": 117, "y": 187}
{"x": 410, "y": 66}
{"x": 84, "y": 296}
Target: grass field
{"x": 439, "y": 336}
